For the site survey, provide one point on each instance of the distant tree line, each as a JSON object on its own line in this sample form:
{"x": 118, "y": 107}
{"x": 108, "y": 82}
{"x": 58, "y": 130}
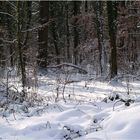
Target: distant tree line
{"x": 104, "y": 34}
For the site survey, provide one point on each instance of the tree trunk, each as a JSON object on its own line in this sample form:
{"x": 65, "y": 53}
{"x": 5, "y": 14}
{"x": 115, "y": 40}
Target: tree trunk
{"x": 100, "y": 35}
{"x": 67, "y": 33}
{"x": 2, "y": 56}
{"x": 85, "y": 24}
{"x": 55, "y": 39}
{"x": 43, "y": 34}
{"x": 19, "y": 46}
{"x": 112, "y": 15}
{"x": 75, "y": 31}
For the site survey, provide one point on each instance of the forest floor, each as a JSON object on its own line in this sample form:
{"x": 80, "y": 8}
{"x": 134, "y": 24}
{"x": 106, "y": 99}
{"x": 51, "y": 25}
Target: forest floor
{"x": 87, "y": 112}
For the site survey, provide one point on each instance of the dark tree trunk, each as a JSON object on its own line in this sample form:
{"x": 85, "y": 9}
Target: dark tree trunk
{"x": 28, "y": 7}
{"x": 54, "y": 29}
{"x": 2, "y": 57}
{"x": 75, "y": 31}
{"x": 55, "y": 39}
{"x": 29, "y": 17}
{"x": 112, "y": 16}
{"x": 99, "y": 27}
{"x": 85, "y": 22}
{"x": 86, "y": 6}
{"x": 67, "y": 33}
{"x": 19, "y": 46}
{"x": 43, "y": 34}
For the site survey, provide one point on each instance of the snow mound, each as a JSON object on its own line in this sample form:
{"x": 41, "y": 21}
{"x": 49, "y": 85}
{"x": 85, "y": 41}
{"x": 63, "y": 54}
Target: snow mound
{"x": 69, "y": 114}
{"x": 124, "y": 124}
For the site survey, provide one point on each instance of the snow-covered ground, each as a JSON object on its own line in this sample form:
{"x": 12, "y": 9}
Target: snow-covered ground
{"x": 86, "y": 113}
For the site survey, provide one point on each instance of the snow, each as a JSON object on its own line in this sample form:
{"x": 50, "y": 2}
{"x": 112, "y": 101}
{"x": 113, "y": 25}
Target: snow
{"x": 83, "y": 115}
{"x": 124, "y": 124}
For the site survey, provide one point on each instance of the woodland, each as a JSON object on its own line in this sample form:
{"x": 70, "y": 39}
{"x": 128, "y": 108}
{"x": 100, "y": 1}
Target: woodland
{"x": 66, "y": 59}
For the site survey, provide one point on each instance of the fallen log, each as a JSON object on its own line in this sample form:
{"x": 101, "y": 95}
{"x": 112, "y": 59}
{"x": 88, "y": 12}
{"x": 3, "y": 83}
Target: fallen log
{"x": 81, "y": 70}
